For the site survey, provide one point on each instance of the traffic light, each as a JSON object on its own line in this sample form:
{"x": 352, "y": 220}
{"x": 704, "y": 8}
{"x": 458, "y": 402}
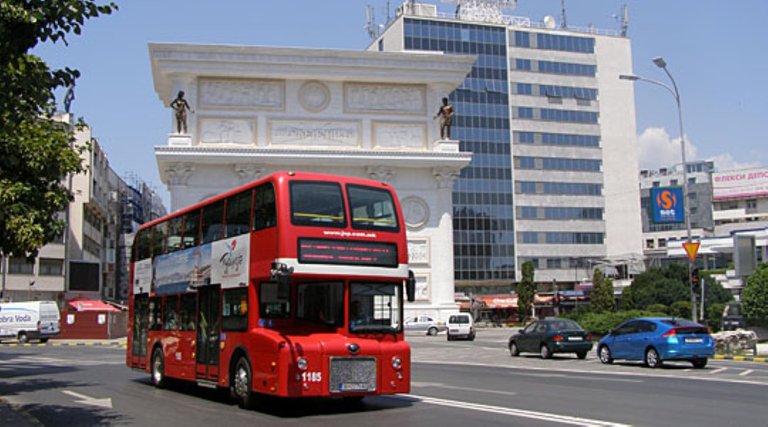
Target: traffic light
{"x": 695, "y": 280}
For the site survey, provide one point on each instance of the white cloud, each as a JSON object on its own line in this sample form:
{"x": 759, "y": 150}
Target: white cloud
{"x": 658, "y": 150}
{"x": 725, "y": 162}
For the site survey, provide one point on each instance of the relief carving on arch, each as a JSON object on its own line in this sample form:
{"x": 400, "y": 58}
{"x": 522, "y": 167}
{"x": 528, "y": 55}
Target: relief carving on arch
{"x": 179, "y": 173}
{"x": 242, "y": 93}
{"x": 384, "y": 98}
{"x": 445, "y": 176}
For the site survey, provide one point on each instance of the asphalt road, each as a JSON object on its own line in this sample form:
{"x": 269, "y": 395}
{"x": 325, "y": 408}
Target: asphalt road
{"x": 454, "y": 384}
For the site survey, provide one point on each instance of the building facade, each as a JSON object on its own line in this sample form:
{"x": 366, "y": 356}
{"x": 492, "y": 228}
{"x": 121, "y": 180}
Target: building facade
{"x": 656, "y": 236}
{"x": 259, "y": 110}
{"x": 553, "y": 179}
{"x": 86, "y": 261}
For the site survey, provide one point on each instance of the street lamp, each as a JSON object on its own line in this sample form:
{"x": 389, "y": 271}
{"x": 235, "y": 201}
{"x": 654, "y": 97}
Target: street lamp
{"x": 661, "y": 63}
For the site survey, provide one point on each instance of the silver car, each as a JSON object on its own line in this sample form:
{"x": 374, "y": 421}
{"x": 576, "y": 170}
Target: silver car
{"x": 428, "y": 324}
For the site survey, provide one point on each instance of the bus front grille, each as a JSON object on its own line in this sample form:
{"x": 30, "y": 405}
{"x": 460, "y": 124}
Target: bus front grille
{"x": 352, "y": 374}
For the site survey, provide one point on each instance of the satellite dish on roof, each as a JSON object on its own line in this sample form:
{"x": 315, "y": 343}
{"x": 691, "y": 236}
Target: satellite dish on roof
{"x": 549, "y": 22}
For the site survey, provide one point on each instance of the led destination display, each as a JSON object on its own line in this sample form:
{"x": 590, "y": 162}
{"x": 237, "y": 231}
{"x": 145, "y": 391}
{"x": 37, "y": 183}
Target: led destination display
{"x": 322, "y": 251}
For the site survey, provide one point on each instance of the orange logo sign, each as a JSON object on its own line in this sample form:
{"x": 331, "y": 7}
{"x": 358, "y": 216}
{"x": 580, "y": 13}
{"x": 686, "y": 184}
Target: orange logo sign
{"x": 666, "y": 199}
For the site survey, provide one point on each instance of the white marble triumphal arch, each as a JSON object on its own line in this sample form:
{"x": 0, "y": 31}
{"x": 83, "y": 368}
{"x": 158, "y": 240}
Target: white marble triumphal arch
{"x": 256, "y": 110}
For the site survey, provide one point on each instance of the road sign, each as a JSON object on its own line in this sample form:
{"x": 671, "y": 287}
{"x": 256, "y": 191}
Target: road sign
{"x": 691, "y": 248}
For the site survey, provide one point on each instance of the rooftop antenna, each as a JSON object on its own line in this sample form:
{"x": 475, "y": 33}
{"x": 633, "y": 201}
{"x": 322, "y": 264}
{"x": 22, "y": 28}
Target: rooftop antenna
{"x": 389, "y": 17}
{"x": 370, "y": 22}
{"x": 563, "y": 16}
{"x": 624, "y": 20}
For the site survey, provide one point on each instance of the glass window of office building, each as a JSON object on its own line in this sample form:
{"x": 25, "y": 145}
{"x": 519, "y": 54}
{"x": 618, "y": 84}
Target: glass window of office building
{"x": 483, "y": 215}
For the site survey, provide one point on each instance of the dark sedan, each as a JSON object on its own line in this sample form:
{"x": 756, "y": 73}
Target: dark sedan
{"x": 551, "y": 336}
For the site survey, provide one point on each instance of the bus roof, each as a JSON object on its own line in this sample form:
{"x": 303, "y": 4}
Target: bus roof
{"x": 273, "y": 177}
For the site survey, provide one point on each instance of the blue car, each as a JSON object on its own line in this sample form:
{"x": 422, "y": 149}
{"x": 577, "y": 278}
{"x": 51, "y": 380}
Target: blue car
{"x": 656, "y": 339}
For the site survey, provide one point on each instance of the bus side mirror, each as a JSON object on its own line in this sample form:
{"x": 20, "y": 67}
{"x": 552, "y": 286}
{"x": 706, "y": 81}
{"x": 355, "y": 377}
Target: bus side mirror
{"x": 410, "y": 287}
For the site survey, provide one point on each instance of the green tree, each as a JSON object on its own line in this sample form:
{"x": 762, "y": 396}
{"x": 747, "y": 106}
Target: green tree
{"x": 660, "y": 286}
{"x": 602, "y": 298}
{"x": 35, "y": 151}
{"x": 526, "y": 291}
{"x": 754, "y": 297}
{"x": 627, "y": 299}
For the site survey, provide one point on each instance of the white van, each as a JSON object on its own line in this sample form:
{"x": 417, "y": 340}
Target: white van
{"x": 29, "y": 320}
{"x": 461, "y": 325}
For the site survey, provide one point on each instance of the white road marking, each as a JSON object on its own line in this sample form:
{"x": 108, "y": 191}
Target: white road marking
{"x": 747, "y": 372}
{"x": 717, "y": 371}
{"x": 543, "y": 416}
{"x": 88, "y": 400}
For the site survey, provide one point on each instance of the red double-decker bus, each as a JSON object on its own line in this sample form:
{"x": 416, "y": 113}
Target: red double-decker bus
{"x": 292, "y": 286}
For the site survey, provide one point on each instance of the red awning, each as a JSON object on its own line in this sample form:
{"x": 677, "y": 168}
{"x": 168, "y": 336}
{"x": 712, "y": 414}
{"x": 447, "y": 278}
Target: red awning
{"x": 499, "y": 301}
{"x": 92, "y": 305}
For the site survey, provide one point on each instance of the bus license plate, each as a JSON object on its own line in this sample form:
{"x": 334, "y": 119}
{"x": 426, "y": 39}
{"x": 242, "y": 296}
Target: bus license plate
{"x": 353, "y": 387}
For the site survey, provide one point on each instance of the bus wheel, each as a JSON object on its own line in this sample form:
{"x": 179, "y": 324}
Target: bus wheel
{"x": 43, "y": 340}
{"x": 23, "y": 338}
{"x": 241, "y": 384}
{"x": 158, "y": 368}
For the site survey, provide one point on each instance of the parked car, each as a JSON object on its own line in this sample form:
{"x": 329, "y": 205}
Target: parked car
{"x": 732, "y": 317}
{"x": 461, "y": 325}
{"x": 657, "y": 339}
{"x": 428, "y": 324}
{"x": 550, "y": 336}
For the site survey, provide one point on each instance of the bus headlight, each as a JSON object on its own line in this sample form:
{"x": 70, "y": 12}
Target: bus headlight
{"x": 301, "y": 363}
{"x": 397, "y": 363}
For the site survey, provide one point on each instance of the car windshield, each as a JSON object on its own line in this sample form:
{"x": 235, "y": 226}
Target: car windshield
{"x": 559, "y": 325}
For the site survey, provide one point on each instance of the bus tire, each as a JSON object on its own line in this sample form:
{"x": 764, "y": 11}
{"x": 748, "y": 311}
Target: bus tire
{"x": 43, "y": 340}
{"x": 23, "y": 338}
{"x": 242, "y": 379}
{"x": 158, "y": 368}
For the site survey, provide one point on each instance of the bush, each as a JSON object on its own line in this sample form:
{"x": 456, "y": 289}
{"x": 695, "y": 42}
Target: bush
{"x": 602, "y": 323}
{"x": 714, "y": 316}
{"x": 660, "y": 308}
{"x": 681, "y": 309}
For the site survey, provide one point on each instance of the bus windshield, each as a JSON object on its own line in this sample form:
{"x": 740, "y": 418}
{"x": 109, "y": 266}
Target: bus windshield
{"x": 371, "y": 208}
{"x": 317, "y": 203}
{"x": 374, "y": 307}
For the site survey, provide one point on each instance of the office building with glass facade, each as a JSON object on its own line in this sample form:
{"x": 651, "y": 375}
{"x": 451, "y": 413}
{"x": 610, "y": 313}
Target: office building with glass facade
{"x": 554, "y": 174}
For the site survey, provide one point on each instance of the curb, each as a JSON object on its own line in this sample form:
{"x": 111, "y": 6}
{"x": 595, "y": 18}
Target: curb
{"x": 741, "y": 358}
{"x": 68, "y": 344}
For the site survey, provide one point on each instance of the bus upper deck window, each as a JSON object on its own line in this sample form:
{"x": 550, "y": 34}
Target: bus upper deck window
{"x": 317, "y": 204}
{"x": 371, "y": 208}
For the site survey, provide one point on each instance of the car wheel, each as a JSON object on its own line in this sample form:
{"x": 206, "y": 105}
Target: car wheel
{"x": 513, "y": 350}
{"x": 43, "y": 340}
{"x": 241, "y": 384}
{"x": 652, "y": 359}
{"x": 604, "y": 353}
{"x": 581, "y": 354}
{"x": 432, "y": 331}
{"x": 158, "y": 368}
{"x": 450, "y": 338}
{"x": 546, "y": 353}
{"x": 23, "y": 338}
{"x": 699, "y": 363}
{"x": 472, "y": 336}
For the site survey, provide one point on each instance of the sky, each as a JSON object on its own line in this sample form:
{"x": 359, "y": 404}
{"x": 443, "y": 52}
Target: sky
{"x": 717, "y": 52}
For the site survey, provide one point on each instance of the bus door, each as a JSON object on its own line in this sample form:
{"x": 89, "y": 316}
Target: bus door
{"x": 139, "y": 333}
{"x": 208, "y": 315}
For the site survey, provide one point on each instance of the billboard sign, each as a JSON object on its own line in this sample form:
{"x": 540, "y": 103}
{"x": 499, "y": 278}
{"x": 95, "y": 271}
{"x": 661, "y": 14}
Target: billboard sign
{"x": 739, "y": 184}
{"x": 667, "y": 205}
